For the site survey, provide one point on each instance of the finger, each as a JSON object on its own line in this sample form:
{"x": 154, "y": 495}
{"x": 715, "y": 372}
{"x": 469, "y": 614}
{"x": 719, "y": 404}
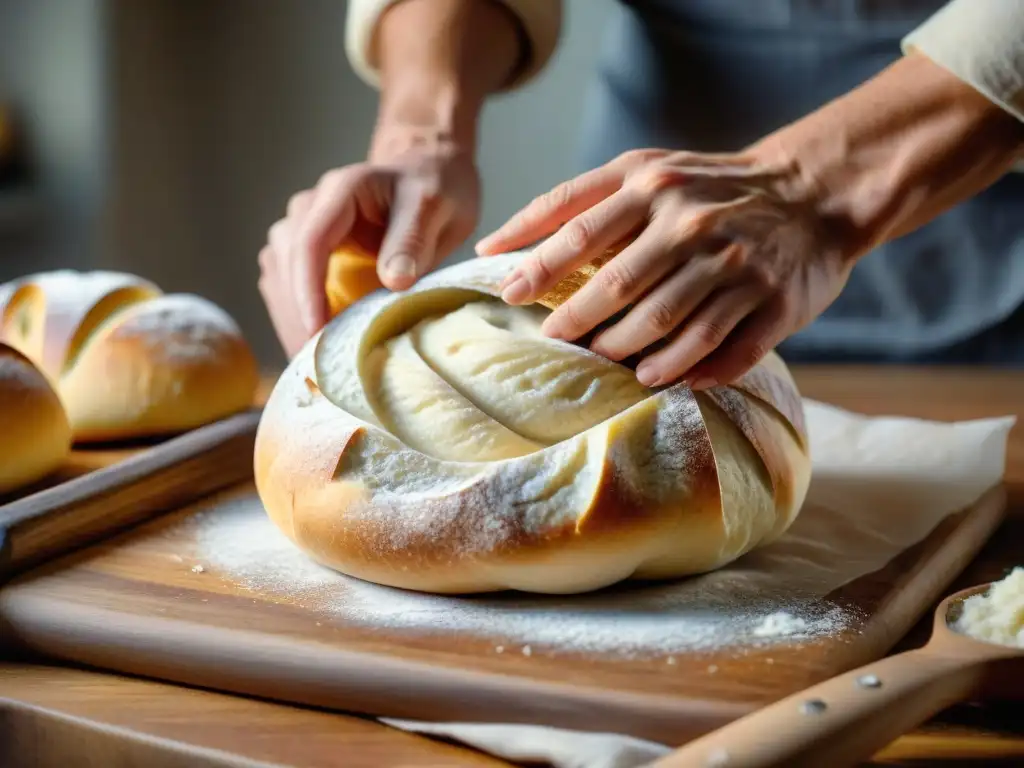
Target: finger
{"x": 662, "y": 310}
{"x": 617, "y": 284}
{"x": 417, "y": 217}
{"x": 700, "y": 335}
{"x": 756, "y": 336}
{"x": 339, "y": 198}
{"x": 545, "y": 214}
{"x": 279, "y": 240}
{"x": 279, "y": 308}
{"x": 299, "y": 204}
{"x": 280, "y": 296}
{"x": 577, "y": 243}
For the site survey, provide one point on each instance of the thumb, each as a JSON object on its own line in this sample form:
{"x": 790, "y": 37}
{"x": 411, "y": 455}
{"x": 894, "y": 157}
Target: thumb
{"x": 328, "y": 222}
{"x": 410, "y": 244}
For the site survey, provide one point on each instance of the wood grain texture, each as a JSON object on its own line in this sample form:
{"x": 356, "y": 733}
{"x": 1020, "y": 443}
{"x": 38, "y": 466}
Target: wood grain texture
{"x": 965, "y": 735}
{"x": 857, "y": 720}
{"x": 53, "y": 717}
{"x": 979, "y": 733}
{"x": 134, "y": 605}
{"x": 103, "y": 490}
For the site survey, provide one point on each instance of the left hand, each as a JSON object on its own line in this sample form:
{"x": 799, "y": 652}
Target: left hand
{"x": 733, "y": 255}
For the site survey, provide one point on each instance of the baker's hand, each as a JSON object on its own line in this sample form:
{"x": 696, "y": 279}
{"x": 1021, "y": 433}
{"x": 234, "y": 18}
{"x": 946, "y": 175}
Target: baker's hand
{"x": 412, "y": 203}
{"x": 729, "y": 258}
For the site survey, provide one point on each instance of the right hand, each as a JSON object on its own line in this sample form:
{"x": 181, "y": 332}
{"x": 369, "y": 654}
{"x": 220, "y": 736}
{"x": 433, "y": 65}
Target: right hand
{"x": 412, "y": 207}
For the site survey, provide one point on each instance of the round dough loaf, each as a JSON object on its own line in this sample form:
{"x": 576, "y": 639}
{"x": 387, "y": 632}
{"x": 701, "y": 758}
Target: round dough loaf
{"x": 36, "y": 436}
{"x": 435, "y": 440}
{"x": 127, "y": 360}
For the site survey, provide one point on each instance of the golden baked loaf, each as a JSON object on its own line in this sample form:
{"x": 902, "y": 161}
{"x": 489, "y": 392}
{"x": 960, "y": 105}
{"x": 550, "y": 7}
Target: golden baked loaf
{"x": 35, "y": 436}
{"x": 435, "y": 440}
{"x": 127, "y": 360}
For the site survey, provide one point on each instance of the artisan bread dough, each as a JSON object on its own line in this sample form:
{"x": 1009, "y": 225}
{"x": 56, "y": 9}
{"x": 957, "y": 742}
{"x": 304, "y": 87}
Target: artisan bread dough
{"x": 35, "y": 436}
{"x": 437, "y": 440}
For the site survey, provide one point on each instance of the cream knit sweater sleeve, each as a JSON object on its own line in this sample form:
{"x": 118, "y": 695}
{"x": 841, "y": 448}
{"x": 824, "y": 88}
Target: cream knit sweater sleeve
{"x": 541, "y": 21}
{"x": 982, "y": 43}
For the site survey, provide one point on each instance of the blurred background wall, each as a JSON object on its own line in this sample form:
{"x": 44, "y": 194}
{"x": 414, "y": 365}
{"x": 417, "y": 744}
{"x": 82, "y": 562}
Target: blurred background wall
{"x": 167, "y": 135}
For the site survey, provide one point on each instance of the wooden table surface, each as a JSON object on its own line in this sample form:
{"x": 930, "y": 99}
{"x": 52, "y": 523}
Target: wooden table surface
{"x": 48, "y": 713}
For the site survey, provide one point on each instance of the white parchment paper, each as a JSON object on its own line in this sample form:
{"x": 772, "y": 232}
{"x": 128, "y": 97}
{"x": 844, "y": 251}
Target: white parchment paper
{"x": 880, "y": 485}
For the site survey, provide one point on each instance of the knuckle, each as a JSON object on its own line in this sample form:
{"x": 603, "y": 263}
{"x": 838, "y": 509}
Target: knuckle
{"x": 765, "y": 278}
{"x": 541, "y": 273}
{"x": 578, "y": 235}
{"x": 707, "y": 333}
{"x": 332, "y": 178}
{"x": 695, "y": 225}
{"x": 617, "y": 282}
{"x": 660, "y": 317}
{"x": 734, "y": 259}
{"x": 652, "y": 179}
{"x": 634, "y": 157}
{"x": 756, "y": 352}
{"x": 747, "y": 355}
{"x": 277, "y": 230}
{"x": 265, "y": 259}
{"x": 299, "y": 201}
{"x": 557, "y": 197}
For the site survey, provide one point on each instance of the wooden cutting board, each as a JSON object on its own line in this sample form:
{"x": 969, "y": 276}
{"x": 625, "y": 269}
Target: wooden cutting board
{"x": 51, "y": 716}
{"x": 200, "y": 597}
{"x": 103, "y": 489}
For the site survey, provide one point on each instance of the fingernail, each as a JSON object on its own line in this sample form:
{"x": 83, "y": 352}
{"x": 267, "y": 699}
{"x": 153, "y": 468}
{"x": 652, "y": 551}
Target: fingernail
{"x": 703, "y": 383}
{"x": 516, "y": 291}
{"x": 553, "y": 330}
{"x": 647, "y": 375}
{"x": 401, "y": 266}
{"x": 510, "y": 278}
{"x": 483, "y": 247}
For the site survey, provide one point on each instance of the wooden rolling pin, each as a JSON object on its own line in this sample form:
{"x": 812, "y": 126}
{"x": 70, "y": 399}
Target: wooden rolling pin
{"x": 845, "y": 720}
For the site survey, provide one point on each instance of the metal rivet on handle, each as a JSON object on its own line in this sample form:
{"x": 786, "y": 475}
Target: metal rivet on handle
{"x": 813, "y": 707}
{"x": 869, "y": 681}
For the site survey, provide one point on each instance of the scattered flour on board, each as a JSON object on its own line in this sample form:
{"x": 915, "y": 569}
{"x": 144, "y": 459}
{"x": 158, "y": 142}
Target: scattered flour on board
{"x": 235, "y": 540}
{"x": 780, "y": 624}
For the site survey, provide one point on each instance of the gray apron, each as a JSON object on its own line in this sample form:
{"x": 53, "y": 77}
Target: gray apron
{"x": 716, "y": 75}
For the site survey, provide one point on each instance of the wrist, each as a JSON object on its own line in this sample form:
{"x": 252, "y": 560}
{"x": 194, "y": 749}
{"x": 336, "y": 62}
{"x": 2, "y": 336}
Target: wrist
{"x": 439, "y": 60}
{"x": 894, "y": 153}
{"x": 423, "y": 116}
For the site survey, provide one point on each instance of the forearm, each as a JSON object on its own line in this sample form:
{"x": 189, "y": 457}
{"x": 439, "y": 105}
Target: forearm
{"x": 898, "y": 151}
{"x": 439, "y": 60}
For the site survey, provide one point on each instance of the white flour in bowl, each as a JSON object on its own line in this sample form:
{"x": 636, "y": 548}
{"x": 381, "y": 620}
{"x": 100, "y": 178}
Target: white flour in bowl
{"x": 236, "y": 541}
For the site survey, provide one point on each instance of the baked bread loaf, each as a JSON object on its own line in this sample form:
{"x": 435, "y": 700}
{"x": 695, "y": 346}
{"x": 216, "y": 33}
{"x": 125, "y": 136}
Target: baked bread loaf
{"x": 127, "y": 360}
{"x": 35, "y": 436}
{"x": 435, "y": 440}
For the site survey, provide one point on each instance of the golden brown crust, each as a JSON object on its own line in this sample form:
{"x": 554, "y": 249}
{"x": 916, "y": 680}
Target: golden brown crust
{"x": 351, "y": 274}
{"x": 640, "y": 494}
{"x": 36, "y": 434}
{"x": 575, "y": 280}
{"x": 127, "y": 360}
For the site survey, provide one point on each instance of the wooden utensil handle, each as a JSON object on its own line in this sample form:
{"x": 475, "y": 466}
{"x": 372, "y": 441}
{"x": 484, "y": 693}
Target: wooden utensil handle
{"x": 841, "y": 721}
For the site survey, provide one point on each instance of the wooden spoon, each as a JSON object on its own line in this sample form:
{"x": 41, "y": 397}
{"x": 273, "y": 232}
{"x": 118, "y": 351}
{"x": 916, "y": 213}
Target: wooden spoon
{"x": 849, "y": 718}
